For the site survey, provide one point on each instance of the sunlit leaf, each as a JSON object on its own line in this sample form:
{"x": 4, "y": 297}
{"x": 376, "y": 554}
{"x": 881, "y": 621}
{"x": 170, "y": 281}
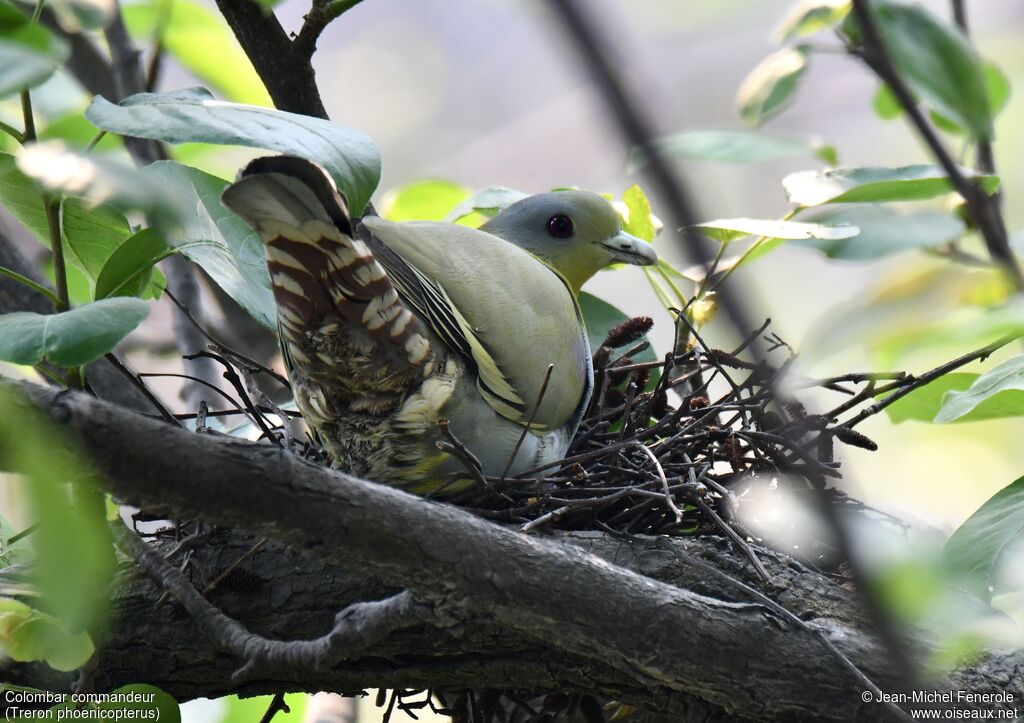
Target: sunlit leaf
{"x": 885, "y": 231}
{"x": 430, "y": 200}
{"x": 771, "y": 86}
{"x": 638, "y": 220}
{"x": 71, "y": 338}
{"x": 874, "y": 184}
{"x": 129, "y": 269}
{"x": 188, "y": 31}
{"x": 245, "y": 710}
{"x": 218, "y": 240}
{"x": 807, "y": 17}
{"x": 730, "y": 146}
{"x": 982, "y": 544}
{"x": 97, "y": 180}
{"x": 886, "y": 104}
{"x": 938, "y": 63}
{"x": 729, "y": 229}
{"x": 922, "y": 404}
{"x": 27, "y": 635}
{"x": 21, "y": 196}
{"x": 195, "y": 116}
{"x": 1007, "y": 376}
{"x": 29, "y": 53}
{"x": 488, "y": 201}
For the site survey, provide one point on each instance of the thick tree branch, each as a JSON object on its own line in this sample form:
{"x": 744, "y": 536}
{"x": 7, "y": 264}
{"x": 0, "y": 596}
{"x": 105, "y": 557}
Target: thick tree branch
{"x": 285, "y": 71}
{"x": 675, "y": 647}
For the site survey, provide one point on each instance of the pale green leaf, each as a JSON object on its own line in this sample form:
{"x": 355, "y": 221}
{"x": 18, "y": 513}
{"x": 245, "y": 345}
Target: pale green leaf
{"x": 885, "y": 231}
{"x": 489, "y": 201}
{"x": 807, "y": 17}
{"x": 91, "y": 234}
{"x": 730, "y": 146}
{"x": 71, "y": 338}
{"x": 195, "y": 116}
{"x": 97, "y": 180}
{"x": 983, "y": 544}
{"x": 29, "y": 53}
{"x": 1007, "y": 376}
{"x": 874, "y": 184}
{"x": 27, "y": 635}
{"x": 771, "y": 86}
{"x": 218, "y": 240}
{"x": 922, "y": 404}
{"x": 726, "y": 230}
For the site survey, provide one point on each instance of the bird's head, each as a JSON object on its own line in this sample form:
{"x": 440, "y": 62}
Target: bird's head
{"x": 577, "y": 233}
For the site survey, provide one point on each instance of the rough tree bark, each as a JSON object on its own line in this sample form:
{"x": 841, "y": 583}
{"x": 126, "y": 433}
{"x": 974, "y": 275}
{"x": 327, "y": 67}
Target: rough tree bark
{"x": 512, "y": 610}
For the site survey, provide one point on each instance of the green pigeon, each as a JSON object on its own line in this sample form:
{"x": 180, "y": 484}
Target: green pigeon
{"x": 388, "y": 328}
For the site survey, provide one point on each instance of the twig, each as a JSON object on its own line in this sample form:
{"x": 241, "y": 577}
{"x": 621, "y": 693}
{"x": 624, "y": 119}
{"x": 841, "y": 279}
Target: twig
{"x": 319, "y": 17}
{"x": 664, "y": 481}
{"x": 529, "y": 422}
{"x": 276, "y": 704}
{"x": 981, "y": 207}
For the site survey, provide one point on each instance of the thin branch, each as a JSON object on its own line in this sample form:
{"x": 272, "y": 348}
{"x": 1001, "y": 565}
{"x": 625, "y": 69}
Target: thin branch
{"x": 316, "y": 20}
{"x": 982, "y": 208}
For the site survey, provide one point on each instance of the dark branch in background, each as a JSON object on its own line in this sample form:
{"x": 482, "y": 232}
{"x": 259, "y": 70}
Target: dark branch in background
{"x": 86, "y": 63}
{"x": 676, "y": 644}
{"x": 284, "y": 69}
{"x": 986, "y": 158}
{"x": 638, "y": 133}
{"x": 982, "y": 209}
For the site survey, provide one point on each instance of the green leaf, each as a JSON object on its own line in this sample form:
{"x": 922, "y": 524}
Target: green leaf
{"x": 874, "y": 184}
{"x": 147, "y": 699}
{"x": 1007, "y": 376}
{"x": 27, "y": 635}
{"x": 922, "y": 405}
{"x": 11, "y": 553}
{"x": 983, "y": 544}
{"x": 29, "y": 53}
{"x": 97, "y": 180}
{"x": 937, "y": 62}
{"x": 429, "y": 200}
{"x": 807, "y": 17}
{"x": 771, "y": 86}
{"x": 489, "y": 201}
{"x": 188, "y": 31}
{"x": 91, "y": 235}
{"x": 71, "y": 338}
{"x": 885, "y": 231}
{"x": 736, "y": 147}
{"x": 195, "y": 116}
{"x": 726, "y": 230}
{"x": 73, "y": 562}
{"x": 997, "y": 85}
{"x": 886, "y": 104}
{"x": 638, "y": 220}
{"x": 21, "y": 196}
{"x": 218, "y": 240}
{"x": 129, "y": 270}
{"x": 600, "y": 318}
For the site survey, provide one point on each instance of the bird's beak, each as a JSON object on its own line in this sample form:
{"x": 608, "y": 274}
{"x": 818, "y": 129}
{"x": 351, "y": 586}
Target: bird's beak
{"x": 629, "y": 249}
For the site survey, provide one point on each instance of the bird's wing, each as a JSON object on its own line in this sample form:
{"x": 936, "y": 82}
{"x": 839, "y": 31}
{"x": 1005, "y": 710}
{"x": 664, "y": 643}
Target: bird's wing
{"x": 340, "y": 317}
{"x": 505, "y": 311}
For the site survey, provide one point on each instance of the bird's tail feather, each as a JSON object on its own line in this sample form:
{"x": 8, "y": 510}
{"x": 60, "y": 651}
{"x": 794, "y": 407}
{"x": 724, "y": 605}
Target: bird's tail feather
{"x": 318, "y": 268}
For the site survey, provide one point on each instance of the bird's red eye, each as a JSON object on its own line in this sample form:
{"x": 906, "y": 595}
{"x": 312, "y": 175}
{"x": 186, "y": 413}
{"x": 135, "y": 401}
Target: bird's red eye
{"x": 560, "y": 226}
